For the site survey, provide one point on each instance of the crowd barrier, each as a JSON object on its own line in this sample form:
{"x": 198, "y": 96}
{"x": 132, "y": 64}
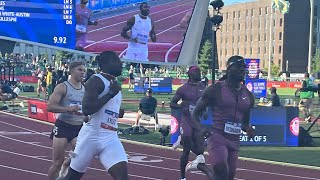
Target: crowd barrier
{"x": 284, "y": 84}
{"x": 24, "y": 79}
{"x": 38, "y": 110}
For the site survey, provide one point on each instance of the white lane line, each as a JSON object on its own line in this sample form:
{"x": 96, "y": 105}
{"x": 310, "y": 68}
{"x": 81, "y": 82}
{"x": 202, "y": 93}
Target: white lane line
{"x": 18, "y": 169}
{"x": 38, "y": 158}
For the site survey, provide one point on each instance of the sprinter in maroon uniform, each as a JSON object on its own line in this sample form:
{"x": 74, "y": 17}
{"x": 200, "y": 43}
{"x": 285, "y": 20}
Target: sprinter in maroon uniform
{"x": 230, "y": 102}
{"x": 191, "y": 140}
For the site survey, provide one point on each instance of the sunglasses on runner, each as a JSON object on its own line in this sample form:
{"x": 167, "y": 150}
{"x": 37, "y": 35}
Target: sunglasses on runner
{"x": 238, "y": 62}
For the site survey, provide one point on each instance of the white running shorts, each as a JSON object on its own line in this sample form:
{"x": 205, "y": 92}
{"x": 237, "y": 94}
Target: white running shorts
{"x": 109, "y": 150}
{"x": 137, "y": 52}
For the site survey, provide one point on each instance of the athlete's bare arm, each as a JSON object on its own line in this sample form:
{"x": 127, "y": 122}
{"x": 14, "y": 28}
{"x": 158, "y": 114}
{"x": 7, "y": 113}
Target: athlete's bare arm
{"x": 128, "y": 27}
{"x": 246, "y": 121}
{"x": 174, "y": 101}
{"x": 153, "y": 33}
{"x": 200, "y": 107}
{"x": 55, "y": 98}
{"x": 186, "y": 19}
{"x": 92, "y": 22}
{"x": 208, "y": 98}
{"x": 94, "y": 86}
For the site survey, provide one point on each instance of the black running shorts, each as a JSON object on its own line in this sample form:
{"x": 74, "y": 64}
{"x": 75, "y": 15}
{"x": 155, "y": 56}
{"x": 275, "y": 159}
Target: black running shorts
{"x": 65, "y": 130}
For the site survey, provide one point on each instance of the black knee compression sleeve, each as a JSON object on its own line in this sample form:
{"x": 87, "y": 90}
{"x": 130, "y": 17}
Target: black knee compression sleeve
{"x": 73, "y": 175}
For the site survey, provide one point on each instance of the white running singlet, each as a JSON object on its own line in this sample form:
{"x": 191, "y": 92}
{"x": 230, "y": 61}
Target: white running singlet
{"x": 95, "y": 139}
{"x": 140, "y": 30}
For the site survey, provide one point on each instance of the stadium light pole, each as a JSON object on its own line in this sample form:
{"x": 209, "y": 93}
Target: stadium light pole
{"x": 310, "y": 35}
{"x": 216, "y": 20}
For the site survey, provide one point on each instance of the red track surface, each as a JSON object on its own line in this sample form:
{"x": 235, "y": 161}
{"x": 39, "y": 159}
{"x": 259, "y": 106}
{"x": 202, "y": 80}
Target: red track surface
{"x": 167, "y": 17}
{"x": 25, "y": 153}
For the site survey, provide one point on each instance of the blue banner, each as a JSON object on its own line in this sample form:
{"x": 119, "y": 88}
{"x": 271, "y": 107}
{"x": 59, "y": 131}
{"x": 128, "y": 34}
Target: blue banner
{"x": 257, "y": 86}
{"x": 274, "y": 126}
{"x": 158, "y": 85}
{"x": 253, "y": 68}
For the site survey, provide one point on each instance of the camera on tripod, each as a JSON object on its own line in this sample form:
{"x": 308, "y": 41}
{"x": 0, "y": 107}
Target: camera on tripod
{"x": 164, "y": 133}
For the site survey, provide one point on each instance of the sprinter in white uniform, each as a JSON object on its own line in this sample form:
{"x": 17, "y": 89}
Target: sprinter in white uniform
{"x": 98, "y": 137}
{"x": 142, "y": 28}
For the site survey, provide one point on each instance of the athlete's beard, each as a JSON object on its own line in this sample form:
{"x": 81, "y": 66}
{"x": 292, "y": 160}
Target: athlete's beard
{"x": 115, "y": 72}
{"x": 145, "y": 13}
{"x": 195, "y": 77}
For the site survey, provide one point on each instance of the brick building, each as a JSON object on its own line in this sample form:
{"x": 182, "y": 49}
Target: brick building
{"x": 245, "y": 30}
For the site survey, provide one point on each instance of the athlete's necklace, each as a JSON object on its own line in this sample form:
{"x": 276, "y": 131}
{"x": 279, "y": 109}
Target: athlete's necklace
{"x": 107, "y": 74}
{"x": 142, "y": 16}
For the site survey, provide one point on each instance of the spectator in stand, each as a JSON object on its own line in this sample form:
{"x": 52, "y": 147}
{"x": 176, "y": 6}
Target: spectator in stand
{"x": 204, "y": 80}
{"x": 44, "y": 85}
{"x": 141, "y": 70}
{"x": 54, "y": 80}
{"x": 59, "y": 75}
{"x": 39, "y": 76}
{"x": 49, "y": 80}
{"x": 65, "y": 76}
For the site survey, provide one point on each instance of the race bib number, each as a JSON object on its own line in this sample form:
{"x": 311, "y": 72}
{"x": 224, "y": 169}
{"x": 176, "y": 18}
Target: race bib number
{"x": 191, "y": 108}
{"x": 76, "y": 103}
{"x": 111, "y": 118}
{"x": 142, "y": 38}
{"x": 232, "y": 128}
{"x": 81, "y": 28}
{"x": 55, "y": 130}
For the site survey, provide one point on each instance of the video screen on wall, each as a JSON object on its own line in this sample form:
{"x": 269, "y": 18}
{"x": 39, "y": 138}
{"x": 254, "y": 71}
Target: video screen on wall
{"x": 138, "y": 30}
